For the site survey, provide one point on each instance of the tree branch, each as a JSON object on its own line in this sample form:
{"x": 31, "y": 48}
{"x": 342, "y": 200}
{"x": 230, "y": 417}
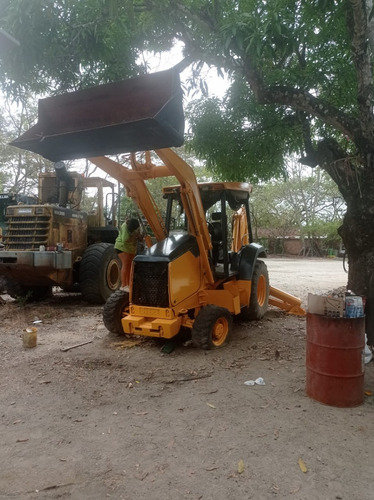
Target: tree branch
{"x": 342, "y": 169}
{"x": 311, "y": 157}
{"x": 302, "y": 101}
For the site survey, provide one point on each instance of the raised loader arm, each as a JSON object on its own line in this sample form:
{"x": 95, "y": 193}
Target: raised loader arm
{"x": 134, "y": 181}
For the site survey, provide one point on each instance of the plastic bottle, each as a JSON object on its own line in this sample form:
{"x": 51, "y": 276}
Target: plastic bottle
{"x": 350, "y": 307}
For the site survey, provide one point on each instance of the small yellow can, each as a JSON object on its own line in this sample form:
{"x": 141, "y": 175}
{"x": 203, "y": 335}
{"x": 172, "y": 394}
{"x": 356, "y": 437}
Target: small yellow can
{"x": 30, "y": 337}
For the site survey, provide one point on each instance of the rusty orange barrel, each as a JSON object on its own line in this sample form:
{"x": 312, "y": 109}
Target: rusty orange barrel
{"x": 335, "y": 360}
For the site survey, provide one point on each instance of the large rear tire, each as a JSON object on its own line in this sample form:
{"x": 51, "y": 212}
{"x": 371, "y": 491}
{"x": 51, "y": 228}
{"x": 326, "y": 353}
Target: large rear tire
{"x": 113, "y": 311}
{"x": 258, "y": 302}
{"x": 212, "y": 327}
{"x": 99, "y": 273}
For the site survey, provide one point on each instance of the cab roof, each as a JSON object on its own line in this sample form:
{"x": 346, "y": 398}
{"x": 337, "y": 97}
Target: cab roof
{"x": 236, "y": 193}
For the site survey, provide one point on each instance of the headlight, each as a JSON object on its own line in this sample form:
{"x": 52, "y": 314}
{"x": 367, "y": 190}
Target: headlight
{"x": 24, "y": 211}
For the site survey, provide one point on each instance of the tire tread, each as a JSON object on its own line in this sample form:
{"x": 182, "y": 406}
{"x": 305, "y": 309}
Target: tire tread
{"x": 112, "y": 312}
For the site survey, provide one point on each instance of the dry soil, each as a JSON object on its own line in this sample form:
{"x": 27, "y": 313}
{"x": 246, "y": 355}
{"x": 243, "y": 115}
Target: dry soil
{"x": 116, "y": 418}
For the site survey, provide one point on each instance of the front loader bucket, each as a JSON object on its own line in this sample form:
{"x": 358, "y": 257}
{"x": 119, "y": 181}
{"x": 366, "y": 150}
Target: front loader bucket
{"x": 139, "y": 114}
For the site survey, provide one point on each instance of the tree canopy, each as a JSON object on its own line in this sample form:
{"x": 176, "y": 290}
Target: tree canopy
{"x": 292, "y": 57}
{"x": 66, "y": 44}
{"x": 19, "y": 170}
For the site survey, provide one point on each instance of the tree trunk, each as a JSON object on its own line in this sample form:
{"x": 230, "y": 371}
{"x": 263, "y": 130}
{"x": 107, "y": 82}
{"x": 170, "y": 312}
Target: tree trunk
{"x": 357, "y": 233}
{"x": 355, "y": 180}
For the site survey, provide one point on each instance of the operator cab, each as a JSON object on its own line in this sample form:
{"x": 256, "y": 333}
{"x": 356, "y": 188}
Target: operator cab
{"x": 222, "y": 202}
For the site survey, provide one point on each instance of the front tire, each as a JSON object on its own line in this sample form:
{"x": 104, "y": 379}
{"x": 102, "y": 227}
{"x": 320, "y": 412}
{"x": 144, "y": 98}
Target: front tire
{"x": 99, "y": 273}
{"x": 259, "y": 299}
{"x": 212, "y": 327}
{"x": 113, "y": 311}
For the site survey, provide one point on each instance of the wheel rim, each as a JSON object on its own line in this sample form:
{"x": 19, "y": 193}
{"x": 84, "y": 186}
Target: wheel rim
{"x": 261, "y": 290}
{"x": 113, "y": 275}
{"x": 220, "y": 331}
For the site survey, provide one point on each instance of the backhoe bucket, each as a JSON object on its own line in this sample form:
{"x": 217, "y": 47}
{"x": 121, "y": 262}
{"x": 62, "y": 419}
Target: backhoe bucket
{"x": 285, "y": 301}
{"x": 139, "y": 114}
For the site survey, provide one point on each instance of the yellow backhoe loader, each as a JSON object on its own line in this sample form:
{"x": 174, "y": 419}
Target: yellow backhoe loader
{"x": 197, "y": 276}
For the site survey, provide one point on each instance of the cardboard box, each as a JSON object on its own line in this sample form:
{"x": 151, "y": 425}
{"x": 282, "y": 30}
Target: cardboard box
{"x": 326, "y": 306}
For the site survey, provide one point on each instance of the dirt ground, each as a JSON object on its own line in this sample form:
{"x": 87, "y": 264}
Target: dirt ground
{"x": 117, "y": 418}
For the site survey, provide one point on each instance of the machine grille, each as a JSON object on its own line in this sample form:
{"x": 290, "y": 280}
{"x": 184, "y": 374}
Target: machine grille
{"x": 27, "y": 233}
{"x": 150, "y": 284}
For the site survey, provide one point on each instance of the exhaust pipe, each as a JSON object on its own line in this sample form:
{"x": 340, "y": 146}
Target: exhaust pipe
{"x": 65, "y": 183}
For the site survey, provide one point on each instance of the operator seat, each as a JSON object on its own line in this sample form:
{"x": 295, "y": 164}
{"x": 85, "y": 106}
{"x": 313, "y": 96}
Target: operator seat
{"x": 215, "y": 230}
